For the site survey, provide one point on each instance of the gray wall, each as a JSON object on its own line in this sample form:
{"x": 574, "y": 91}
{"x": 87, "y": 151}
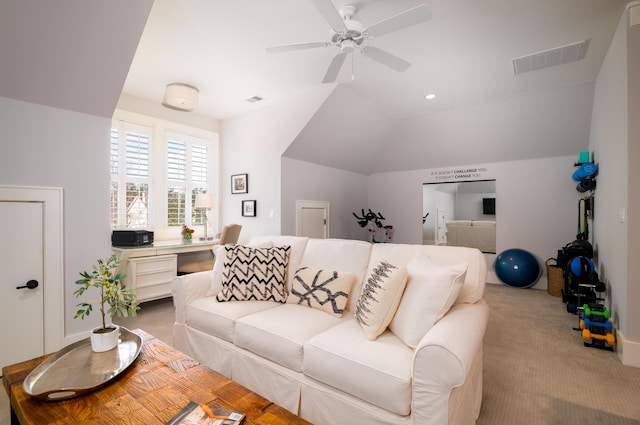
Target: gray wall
{"x": 615, "y": 141}
{"x": 50, "y": 147}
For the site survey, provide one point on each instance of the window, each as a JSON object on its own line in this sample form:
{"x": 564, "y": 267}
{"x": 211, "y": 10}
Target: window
{"x": 130, "y": 176}
{"x": 156, "y": 174}
{"x": 187, "y": 173}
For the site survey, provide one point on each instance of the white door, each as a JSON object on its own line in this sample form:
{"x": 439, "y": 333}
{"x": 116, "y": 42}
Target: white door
{"x": 312, "y": 219}
{"x": 22, "y": 303}
{"x": 31, "y": 248}
{"x": 441, "y": 232}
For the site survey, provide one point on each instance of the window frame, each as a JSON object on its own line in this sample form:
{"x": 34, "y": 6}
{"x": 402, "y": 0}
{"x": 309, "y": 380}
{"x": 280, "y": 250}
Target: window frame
{"x": 162, "y": 130}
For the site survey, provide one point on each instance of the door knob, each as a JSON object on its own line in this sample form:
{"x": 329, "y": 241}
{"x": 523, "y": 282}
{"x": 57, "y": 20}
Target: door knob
{"x": 32, "y": 284}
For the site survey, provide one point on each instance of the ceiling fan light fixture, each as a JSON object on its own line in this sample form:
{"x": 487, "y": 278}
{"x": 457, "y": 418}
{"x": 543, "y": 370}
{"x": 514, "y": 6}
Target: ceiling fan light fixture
{"x": 181, "y": 97}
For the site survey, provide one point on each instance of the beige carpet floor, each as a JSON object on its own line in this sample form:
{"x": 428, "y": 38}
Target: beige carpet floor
{"x": 536, "y": 369}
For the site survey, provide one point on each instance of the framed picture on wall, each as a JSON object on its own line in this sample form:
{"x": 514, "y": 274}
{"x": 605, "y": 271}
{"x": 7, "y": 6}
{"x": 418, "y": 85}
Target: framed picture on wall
{"x": 249, "y": 208}
{"x": 239, "y": 183}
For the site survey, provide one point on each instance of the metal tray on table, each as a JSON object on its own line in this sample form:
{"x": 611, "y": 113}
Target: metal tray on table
{"x": 76, "y": 370}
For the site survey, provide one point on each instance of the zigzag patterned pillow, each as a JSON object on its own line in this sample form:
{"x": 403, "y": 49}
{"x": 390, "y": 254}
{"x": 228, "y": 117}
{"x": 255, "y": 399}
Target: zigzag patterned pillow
{"x": 258, "y": 274}
{"x": 326, "y": 290}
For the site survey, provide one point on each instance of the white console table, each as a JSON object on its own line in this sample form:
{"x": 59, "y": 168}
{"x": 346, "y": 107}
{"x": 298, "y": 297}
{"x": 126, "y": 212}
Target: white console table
{"x": 151, "y": 268}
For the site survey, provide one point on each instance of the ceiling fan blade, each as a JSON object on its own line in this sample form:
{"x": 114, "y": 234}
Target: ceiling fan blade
{"x": 409, "y": 17}
{"x": 334, "y": 68}
{"x": 385, "y": 58}
{"x": 330, "y": 14}
{"x": 298, "y": 46}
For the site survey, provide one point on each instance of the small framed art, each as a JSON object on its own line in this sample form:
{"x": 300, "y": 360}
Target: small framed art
{"x": 239, "y": 183}
{"x": 249, "y": 208}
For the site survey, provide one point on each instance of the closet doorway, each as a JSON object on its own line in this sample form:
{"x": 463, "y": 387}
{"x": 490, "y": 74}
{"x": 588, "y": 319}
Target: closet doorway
{"x": 31, "y": 259}
{"x": 312, "y": 219}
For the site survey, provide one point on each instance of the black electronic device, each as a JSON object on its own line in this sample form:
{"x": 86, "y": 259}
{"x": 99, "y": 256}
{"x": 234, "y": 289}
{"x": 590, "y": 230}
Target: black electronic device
{"x": 131, "y": 237}
{"x": 489, "y": 206}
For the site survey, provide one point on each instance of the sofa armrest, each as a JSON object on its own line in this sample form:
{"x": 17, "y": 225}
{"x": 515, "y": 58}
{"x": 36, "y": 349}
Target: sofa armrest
{"x": 443, "y": 359}
{"x": 187, "y": 288}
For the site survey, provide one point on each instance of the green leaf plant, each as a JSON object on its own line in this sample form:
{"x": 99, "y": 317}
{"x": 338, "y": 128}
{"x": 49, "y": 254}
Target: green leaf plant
{"x": 120, "y": 299}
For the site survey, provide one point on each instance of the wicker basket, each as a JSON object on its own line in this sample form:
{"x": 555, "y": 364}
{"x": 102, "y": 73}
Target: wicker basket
{"x": 555, "y": 278}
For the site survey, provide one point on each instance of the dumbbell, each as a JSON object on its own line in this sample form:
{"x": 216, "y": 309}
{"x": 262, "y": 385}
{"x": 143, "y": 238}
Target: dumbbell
{"x": 609, "y": 338}
{"x": 590, "y": 311}
{"x": 587, "y": 323}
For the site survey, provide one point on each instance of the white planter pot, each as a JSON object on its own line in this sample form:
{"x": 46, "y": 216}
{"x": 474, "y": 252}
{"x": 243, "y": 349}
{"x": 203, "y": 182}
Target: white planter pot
{"x": 105, "y": 341}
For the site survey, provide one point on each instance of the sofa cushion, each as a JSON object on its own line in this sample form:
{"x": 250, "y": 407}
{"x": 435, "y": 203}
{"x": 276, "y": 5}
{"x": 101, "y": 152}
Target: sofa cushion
{"x": 402, "y": 254}
{"x": 375, "y": 371}
{"x": 379, "y": 298}
{"x": 257, "y": 274}
{"x": 326, "y": 290}
{"x": 218, "y": 318}
{"x": 431, "y": 290}
{"x": 278, "y": 334}
{"x": 297, "y": 244}
{"x": 339, "y": 254}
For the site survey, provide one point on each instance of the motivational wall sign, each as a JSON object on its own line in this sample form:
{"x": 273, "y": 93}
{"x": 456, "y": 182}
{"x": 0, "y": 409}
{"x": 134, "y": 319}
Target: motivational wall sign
{"x": 458, "y": 174}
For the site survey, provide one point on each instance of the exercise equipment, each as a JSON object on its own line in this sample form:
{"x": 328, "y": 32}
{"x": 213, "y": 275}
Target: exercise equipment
{"x": 588, "y": 169}
{"x": 596, "y": 327}
{"x": 517, "y": 267}
{"x": 581, "y": 266}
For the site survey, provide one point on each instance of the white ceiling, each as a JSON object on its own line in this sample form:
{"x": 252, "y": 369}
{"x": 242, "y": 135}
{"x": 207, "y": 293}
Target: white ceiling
{"x": 464, "y": 54}
{"x": 75, "y": 55}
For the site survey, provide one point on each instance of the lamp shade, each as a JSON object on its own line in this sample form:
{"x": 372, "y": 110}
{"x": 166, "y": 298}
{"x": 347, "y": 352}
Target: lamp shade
{"x": 181, "y": 97}
{"x": 204, "y": 200}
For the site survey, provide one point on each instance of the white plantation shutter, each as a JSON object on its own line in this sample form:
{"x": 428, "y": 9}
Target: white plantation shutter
{"x": 154, "y": 182}
{"x": 187, "y": 173}
{"x": 130, "y": 164}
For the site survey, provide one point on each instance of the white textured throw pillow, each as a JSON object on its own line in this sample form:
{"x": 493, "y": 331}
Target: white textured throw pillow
{"x": 379, "y": 298}
{"x": 431, "y": 291}
{"x": 326, "y": 290}
{"x": 255, "y": 274}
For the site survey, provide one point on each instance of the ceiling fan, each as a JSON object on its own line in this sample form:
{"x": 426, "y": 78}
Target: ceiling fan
{"x": 349, "y": 35}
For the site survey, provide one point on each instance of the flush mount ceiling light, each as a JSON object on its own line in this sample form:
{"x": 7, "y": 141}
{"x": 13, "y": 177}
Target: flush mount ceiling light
{"x": 180, "y": 96}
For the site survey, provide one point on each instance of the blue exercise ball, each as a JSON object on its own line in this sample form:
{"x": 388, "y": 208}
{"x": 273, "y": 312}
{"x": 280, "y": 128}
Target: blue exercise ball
{"x": 517, "y": 267}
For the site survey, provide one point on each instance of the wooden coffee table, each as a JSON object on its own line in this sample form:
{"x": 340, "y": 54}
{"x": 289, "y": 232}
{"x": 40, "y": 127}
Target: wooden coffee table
{"x": 154, "y": 388}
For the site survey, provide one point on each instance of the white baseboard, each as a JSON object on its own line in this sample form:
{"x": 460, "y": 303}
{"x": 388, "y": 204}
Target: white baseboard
{"x": 628, "y": 351}
{"x": 70, "y": 339}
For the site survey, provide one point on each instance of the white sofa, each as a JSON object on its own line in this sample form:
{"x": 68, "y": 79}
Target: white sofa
{"x": 479, "y": 234}
{"x": 322, "y": 367}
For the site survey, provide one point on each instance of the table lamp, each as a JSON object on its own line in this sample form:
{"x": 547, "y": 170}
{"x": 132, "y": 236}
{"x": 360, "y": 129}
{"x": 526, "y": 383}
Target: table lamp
{"x": 204, "y": 201}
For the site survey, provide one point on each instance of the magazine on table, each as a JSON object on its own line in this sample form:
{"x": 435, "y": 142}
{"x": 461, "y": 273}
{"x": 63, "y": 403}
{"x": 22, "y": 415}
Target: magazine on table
{"x": 202, "y": 414}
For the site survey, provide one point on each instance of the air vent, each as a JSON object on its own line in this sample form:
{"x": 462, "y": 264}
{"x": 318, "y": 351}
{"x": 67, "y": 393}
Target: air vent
{"x": 548, "y": 58}
{"x": 254, "y": 99}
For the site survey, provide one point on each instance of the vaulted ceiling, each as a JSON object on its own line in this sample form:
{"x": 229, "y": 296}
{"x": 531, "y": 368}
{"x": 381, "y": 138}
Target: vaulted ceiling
{"x": 80, "y": 56}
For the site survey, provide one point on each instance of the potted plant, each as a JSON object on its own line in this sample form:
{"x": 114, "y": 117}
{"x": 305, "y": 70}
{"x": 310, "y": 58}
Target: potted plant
{"x": 187, "y": 233}
{"x": 115, "y": 298}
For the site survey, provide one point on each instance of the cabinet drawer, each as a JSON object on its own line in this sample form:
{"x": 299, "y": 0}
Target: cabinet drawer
{"x": 151, "y": 279}
{"x": 154, "y": 292}
{"x": 144, "y": 265}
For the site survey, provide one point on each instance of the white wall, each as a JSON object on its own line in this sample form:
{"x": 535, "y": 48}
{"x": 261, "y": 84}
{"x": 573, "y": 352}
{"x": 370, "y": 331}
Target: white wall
{"x": 254, "y": 143}
{"x": 615, "y": 141}
{"x": 345, "y": 191}
{"x": 536, "y": 203}
{"x": 50, "y": 147}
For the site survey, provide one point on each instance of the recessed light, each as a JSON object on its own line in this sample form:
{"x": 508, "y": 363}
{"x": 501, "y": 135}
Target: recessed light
{"x": 430, "y": 96}
{"x": 254, "y": 99}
